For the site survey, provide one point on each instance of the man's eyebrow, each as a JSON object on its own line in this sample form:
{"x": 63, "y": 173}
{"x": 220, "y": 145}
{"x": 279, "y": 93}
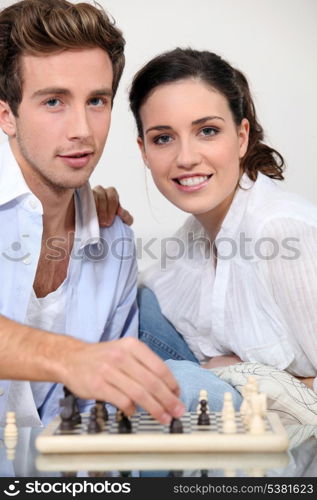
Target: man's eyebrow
{"x": 61, "y": 91}
{"x": 195, "y": 122}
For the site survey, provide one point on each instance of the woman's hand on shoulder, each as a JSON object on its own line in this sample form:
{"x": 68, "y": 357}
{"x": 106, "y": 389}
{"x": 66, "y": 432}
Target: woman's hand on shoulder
{"x": 108, "y": 206}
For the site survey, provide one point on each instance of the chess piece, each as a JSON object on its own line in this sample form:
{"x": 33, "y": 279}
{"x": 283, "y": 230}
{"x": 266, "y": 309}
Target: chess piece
{"x": 93, "y": 425}
{"x": 119, "y": 415}
{"x": 256, "y": 425}
{"x": 71, "y": 402}
{"x": 102, "y": 410}
{"x": 124, "y": 425}
{"x": 176, "y": 426}
{"x": 10, "y": 435}
{"x": 203, "y": 395}
{"x": 245, "y": 408}
{"x": 67, "y": 411}
{"x": 10, "y": 429}
{"x": 227, "y": 408}
{"x": 229, "y": 425}
{"x": 203, "y": 418}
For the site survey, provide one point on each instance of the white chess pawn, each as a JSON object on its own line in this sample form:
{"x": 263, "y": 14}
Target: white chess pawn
{"x": 10, "y": 444}
{"x": 229, "y": 425}
{"x": 227, "y": 408}
{"x": 10, "y": 429}
{"x": 10, "y": 435}
{"x": 257, "y": 425}
{"x": 245, "y": 408}
{"x": 228, "y": 415}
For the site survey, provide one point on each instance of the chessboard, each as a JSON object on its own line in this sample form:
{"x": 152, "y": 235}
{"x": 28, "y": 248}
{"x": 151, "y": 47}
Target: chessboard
{"x": 252, "y": 429}
{"x": 148, "y": 435}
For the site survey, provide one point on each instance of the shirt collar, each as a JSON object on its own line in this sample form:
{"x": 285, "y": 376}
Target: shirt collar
{"x": 12, "y": 182}
{"x": 13, "y": 185}
{"x": 235, "y": 214}
{"x": 87, "y": 225}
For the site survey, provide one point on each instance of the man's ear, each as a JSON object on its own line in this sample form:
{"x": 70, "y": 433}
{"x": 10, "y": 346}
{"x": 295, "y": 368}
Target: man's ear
{"x": 7, "y": 119}
{"x": 142, "y": 149}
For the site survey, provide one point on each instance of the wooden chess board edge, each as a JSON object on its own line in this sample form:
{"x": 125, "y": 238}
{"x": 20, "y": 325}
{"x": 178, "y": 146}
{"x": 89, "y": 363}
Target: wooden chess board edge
{"x": 276, "y": 441}
{"x": 162, "y": 461}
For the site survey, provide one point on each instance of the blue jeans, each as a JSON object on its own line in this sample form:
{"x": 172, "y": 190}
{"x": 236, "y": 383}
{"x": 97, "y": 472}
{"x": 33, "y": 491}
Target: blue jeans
{"x": 157, "y": 332}
{"x": 160, "y": 335}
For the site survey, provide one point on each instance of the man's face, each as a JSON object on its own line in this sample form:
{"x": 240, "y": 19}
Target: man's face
{"x": 64, "y": 117}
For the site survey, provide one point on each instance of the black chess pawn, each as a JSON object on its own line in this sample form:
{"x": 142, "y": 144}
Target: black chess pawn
{"x": 71, "y": 400}
{"x": 124, "y": 425}
{"x": 102, "y": 410}
{"x": 203, "y": 418}
{"x": 66, "y": 414}
{"x": 93, "y": 425}
{"x": 176, "y": 426}
{"x": 119, "y": 415}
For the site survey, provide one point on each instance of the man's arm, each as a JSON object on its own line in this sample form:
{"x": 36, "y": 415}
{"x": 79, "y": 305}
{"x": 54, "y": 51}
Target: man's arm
{"x": 123, "y": 372}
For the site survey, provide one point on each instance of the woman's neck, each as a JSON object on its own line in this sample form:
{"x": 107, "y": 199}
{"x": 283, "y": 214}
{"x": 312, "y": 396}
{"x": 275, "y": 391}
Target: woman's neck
{"x": 212, "y": 220}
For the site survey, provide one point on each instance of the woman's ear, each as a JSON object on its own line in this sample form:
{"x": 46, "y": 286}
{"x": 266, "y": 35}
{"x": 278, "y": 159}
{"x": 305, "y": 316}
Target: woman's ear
{"x": 142, "y": 149}
{"x": 7, "y": 119}
{"x": 243, "y": 134}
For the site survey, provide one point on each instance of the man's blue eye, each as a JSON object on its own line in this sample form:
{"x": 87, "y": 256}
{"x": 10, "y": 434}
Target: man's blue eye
{"x": 97, "y": 101}
{"x": 52, "y": 103}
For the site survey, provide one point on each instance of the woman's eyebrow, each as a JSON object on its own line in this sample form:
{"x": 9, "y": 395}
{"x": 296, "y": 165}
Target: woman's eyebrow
{"x": 206, "y": 118}
{"x": 195, "y": 122}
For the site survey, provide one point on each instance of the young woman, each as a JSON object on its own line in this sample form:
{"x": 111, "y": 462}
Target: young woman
{"x": 239, "y": 280}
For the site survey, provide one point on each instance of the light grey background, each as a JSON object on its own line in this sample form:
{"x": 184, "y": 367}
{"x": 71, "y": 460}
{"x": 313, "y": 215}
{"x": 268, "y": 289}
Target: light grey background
{"x": 274, "y": 42}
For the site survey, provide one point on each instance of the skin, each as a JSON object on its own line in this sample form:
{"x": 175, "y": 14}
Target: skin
{"x": 189, "y": 131}
{"x": 66, "y": 109}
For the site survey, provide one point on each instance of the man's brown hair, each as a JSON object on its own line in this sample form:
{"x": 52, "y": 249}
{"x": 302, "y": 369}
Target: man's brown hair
{"x": 44, "y": 26}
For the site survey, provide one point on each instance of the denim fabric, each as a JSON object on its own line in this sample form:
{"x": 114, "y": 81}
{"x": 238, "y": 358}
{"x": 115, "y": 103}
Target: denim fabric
{"x": 192, "y": 378}
{"x": 157, "y": 332}
{"x": 160, "y": 335}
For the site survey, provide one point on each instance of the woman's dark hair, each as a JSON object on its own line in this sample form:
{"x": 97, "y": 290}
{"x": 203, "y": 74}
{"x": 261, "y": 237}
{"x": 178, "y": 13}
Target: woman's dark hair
{"x": 180, "y": 64}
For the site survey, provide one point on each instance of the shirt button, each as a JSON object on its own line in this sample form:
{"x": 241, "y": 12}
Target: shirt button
{"x": 1, "y": 391}
{"x": 26, "y": 260}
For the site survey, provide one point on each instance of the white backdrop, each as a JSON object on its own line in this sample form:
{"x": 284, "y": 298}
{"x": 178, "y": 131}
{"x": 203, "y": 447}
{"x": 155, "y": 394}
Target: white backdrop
{"x": 274, "y": 42}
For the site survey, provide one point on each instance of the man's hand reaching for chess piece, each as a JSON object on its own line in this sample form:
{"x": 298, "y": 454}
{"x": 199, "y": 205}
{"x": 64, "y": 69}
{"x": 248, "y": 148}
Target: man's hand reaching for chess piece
{"x": 125, "y": 373}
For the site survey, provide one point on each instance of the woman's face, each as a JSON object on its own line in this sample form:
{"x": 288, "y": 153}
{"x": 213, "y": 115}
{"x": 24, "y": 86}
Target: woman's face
{"x": 192, "y": 145}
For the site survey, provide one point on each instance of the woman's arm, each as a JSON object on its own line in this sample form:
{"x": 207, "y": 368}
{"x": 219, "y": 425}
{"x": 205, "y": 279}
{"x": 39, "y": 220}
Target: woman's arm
{"x": 108, "y": 206}
{"x": 217, "y": 361}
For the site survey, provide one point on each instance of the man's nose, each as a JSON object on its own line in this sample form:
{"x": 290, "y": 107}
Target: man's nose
{"x": 78, "y": 124}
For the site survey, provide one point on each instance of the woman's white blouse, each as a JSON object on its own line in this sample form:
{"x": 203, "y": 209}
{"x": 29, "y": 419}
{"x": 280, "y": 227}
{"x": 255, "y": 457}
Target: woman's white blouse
{"x": 260, "y": 300}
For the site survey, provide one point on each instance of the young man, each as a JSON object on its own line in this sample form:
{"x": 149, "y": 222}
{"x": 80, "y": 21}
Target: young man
{"x": 66, "y": 284}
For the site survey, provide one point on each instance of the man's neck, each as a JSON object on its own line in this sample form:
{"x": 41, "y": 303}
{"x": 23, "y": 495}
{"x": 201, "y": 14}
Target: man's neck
{"x": 57, "y": 202}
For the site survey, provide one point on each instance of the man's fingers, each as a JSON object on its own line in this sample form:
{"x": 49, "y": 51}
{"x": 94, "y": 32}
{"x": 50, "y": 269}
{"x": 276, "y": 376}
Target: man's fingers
{"x": 153, "y": 363}
{"x": 142, "y": 394}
